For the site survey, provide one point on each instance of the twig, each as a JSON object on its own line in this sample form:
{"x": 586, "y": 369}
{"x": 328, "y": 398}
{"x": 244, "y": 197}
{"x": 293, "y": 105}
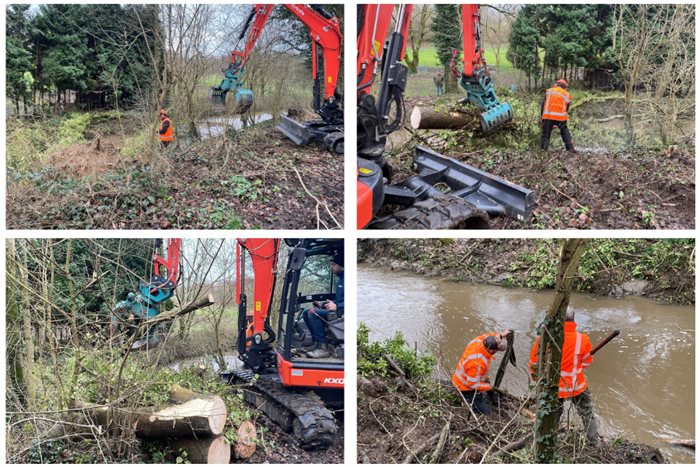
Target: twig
{"x": 318, "y": 218}
{"x": 435, "y": 456}
{"x": 422, "y": 448}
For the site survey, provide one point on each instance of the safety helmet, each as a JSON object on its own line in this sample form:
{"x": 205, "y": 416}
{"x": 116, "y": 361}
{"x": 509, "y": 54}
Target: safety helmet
{"x": 562, "y": 83}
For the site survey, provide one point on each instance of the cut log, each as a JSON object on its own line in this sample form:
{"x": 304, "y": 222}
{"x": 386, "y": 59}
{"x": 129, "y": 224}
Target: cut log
{"x": 427, "y": 119}
{"x": 195, "y": 415}
{"x": 214, "y": 450}
{"x": 245, "y": 445}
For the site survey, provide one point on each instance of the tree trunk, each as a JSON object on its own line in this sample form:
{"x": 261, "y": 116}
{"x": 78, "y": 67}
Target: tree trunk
{"x": 27, "y": 331}
{"x": 549, "y": 363}
{"x": 450, "y": 79}
{"x": 213, "y": 450}
{"x": 194, "y": 415}
{"x": 427, "y": 119}
{"x": 245, "y": 444}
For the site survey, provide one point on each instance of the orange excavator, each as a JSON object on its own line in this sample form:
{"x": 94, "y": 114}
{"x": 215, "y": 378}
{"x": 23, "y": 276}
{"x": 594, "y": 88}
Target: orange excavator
{"x": 444, "y": 192}
{"x": 325, "y": 34}
{"x": 298, "y": 393}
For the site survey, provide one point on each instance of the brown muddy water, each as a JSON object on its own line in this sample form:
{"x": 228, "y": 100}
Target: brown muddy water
{"x": 643, "y": 382}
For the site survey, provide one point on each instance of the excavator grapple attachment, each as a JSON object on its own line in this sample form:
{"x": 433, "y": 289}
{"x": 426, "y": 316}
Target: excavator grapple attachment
{"x": 239, "y": 105}
{"x": 496, "y": 117}
{"x": 217, "y": 99}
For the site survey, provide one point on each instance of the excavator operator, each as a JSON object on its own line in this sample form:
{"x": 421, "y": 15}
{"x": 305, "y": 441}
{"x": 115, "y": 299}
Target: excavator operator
{"x": 317, "y": 317}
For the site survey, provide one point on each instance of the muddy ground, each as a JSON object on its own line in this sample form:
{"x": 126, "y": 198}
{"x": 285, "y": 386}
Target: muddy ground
{"x": 284, "y": 450}
{"x": 254, "y": 178}
{"x": 398, "y": 423}
{"x": 604, "y": 186}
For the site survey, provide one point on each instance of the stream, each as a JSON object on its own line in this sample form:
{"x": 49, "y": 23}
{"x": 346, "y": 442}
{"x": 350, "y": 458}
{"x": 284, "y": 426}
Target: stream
{"x": 216, "y": 126}
{"x": 642, "y": 382}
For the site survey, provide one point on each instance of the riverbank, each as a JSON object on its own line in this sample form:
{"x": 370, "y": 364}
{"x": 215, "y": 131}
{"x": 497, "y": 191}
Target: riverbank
{"x": 253, "y": 178}
{"x": 407, "y": 416}
{"x": 660, "y": 269}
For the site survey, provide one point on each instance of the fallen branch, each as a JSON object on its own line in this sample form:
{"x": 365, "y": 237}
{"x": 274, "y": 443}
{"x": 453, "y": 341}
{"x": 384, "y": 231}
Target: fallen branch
{"x": 435, "y": 456}
{"x": 514, "y": 446}
{"x": 170, "y": 315}
{"x": 401, "y": 373}
{"x": 421, "y": 449}
{"x": 318, "y": 203}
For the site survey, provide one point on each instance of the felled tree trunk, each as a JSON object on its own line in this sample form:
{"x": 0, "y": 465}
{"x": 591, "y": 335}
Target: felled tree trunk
{"x": 245, "y": 444}
{"x": 549, "y": 362}
{"x": 194, "y": 415}
{"x": 213, "y": 450}
{"x": 428, "y": 119}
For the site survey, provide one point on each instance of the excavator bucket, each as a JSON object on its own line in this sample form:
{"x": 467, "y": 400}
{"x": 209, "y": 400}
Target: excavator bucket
{"x": 496, "y": 117}
{"x": 217, "y": 99}
{"x": 242, "y": 102}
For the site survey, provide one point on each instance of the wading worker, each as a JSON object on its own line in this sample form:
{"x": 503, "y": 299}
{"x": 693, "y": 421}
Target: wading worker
{"x": 317, "y": 317}
{"x": 554, "y": 112}
{"x": 471, "y": 375}
{"x": 575, "y": 357}
{"x": 165, "y": 131}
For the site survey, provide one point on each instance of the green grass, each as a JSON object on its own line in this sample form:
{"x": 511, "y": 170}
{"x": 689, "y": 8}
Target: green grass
{"x": 428, "y": 58}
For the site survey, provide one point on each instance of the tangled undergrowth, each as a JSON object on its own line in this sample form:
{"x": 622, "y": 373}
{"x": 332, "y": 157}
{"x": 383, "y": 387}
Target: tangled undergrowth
{"x": 414, "y": 418}
{"x": 607, "y": 185}
{"x": 253, "y": 178}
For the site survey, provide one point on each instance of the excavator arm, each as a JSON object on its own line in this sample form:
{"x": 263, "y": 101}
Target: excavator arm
{"x": 152, "y": 293}
{"x": 255, "y": 334}
{"x": 324, "y": 30}
{"x": 472, "y": 195}
{"x": 475, "y": 77}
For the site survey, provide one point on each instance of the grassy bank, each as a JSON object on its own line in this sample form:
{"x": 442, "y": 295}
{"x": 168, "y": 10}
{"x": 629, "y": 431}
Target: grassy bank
{"x": 660, "y": 269}
{"x": 414, "y": 418}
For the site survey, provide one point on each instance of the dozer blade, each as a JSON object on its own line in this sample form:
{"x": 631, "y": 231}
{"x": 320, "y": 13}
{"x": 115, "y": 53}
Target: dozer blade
{"x": 487, "y": 192}
{"x": 294, "y": 130}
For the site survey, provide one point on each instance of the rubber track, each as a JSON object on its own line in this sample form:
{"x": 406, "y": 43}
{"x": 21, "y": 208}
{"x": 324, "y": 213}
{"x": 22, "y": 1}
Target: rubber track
{"x": 438, "y": 212}
{"x": 301, "y": 412}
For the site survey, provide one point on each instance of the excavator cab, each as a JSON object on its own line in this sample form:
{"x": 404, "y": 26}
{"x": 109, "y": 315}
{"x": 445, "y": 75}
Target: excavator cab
{"x": 280, "y": 376}
{"x": 232, "y": 83}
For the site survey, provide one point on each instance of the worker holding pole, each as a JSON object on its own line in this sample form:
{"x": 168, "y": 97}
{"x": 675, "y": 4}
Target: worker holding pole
{"x": 576, "y": 356}
{"x": 471, "y": 375}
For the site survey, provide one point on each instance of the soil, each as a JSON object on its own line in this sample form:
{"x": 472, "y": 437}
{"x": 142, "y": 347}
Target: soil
{"x": 284, "y": 449}
{"x": 244, "y": 181}
{"x": 603, "y": 186}
{"x": 395, "y": 420}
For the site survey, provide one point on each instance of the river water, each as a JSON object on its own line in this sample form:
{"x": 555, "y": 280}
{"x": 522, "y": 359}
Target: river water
{"x": 642, "y": 382}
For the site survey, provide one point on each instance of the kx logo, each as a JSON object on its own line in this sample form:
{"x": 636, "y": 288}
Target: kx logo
{"x": 333, "y": 381}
